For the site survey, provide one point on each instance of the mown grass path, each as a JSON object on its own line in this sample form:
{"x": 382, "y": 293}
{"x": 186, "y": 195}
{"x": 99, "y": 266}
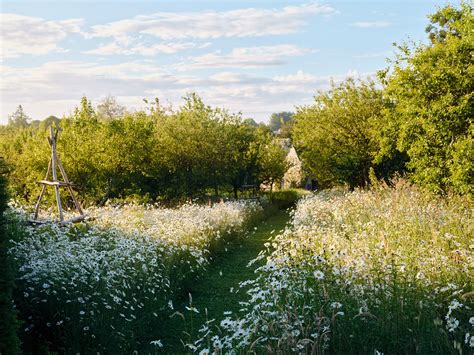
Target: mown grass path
{"x": 212, "y": 290}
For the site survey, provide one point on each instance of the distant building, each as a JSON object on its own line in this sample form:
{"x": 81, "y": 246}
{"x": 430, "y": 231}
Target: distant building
{"x": 294, "y": 176}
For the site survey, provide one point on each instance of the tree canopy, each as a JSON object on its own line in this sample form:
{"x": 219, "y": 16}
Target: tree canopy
{"x": 432, "y": 88}
{"x": 154, "y": 154}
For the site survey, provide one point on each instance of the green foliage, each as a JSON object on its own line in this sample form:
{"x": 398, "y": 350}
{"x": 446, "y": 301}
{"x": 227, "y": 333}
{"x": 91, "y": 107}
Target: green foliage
{"x": 146, "y": 155}
{"x": 286, "y": 198}
{"x": 272, "y": 163}
{"x": 277, "y": 120}
{"x": 19, "y": 118}
{"x": 109, "y": 109}
{"x": 432, "y": 87}
{"x": 9, "y": 343}
{"x": 337, "y": 136}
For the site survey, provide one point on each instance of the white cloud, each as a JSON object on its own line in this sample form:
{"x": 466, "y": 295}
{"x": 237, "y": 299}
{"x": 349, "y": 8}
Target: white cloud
{"x": 250, "y": 22}
{"x": 371, "y": 24}
{"x": 299, "y": 78}
{"x": 56, "y": 87}
{"x": 119, "y": 48}
{"x": 246, "y": 57}
{"x": 25, "y": 35}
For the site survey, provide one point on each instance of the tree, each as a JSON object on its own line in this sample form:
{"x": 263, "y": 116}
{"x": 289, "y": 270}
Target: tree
{"x": 19, "y": 118}
{"x": 336, "y": 136}
{"x": 49, "y": 121}
{"x": 84, "y": 112}
{"x": 250, "y": 122}
{"x": 432, "y": 86}
{"x": 272, "y": 163}
{"x": 109, "y": 109}
{"x": 277, "y": 119}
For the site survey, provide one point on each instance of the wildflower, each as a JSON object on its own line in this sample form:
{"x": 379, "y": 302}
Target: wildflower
{"x": 318, "y": 275}
{"x": 46, "y": 285}
{"x": 204, "y": 352}
{"x": 471, "y": 321}
{"x": 157, "y": 343}
{"x": 452, "y": 324}
{"x": 193, "y": 309}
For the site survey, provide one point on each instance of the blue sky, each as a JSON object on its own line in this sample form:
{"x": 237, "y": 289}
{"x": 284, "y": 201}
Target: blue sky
{"x": 256, "y": 57}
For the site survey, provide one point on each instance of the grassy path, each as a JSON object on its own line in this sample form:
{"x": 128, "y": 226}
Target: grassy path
{"x": 212, "y": 290}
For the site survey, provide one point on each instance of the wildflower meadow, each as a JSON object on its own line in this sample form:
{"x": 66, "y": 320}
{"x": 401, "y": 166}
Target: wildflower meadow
{"x": 388, "y": 270}
{"x": 101, "y": 286}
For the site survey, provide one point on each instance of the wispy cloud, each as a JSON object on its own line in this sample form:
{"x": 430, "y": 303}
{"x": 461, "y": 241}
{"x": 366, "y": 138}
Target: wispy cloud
{"x": 246, "y": 57}
{"x": 56, "y": 87}
{"x": 371, "y": 24}
{"x": 25, "y": 35}
{"x": 118, "y": 48}
{"x": 250, "y": 22}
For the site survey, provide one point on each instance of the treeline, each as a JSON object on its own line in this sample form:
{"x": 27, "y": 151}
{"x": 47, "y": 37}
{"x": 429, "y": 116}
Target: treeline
{"x": 416, "y": 121}
{"x": 148, "y": 155}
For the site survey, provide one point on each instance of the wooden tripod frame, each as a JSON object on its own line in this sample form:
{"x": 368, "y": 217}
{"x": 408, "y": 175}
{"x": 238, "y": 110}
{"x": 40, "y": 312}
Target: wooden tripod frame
{"x": 55, "y": 163}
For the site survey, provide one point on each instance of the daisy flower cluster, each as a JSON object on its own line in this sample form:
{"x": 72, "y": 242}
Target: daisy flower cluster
{"x": 100, "y": 286}
{"x": 382, "y": 271}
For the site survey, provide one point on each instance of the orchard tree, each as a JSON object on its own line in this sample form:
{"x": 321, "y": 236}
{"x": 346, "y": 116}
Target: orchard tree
{"x": 336, "y": 136}
{"x": 19, "y": 118}
{"x": 432, "y": 86}
{"x": 272, "y": 164}
{"x": 109, "y": 109}
{"x": 84, "y": 112}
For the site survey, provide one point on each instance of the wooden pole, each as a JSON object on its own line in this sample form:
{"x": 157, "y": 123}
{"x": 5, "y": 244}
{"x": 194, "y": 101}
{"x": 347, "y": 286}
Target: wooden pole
{"x": 42, "y": 191}
{"x": 54, "y": 159}
{"x": 71, "y": 191}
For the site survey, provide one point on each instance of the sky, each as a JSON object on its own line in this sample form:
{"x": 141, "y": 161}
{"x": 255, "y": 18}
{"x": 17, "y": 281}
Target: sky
{"x": 253, "y": 57}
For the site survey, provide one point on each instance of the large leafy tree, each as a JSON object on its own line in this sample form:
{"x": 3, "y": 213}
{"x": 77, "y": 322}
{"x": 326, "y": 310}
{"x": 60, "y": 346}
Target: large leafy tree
{"x": 432, "y": 88}
{"x": 337, "y": 135}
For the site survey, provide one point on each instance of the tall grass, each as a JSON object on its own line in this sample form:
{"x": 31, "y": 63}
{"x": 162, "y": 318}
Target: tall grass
{"x": 383, "y": 271}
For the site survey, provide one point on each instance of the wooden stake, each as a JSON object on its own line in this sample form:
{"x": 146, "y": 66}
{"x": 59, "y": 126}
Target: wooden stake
{"x": 54, "y": 164}
{"x": 42, "y": 190}
{"x": 54, "y": 159}
{"x": 71, "y": 191}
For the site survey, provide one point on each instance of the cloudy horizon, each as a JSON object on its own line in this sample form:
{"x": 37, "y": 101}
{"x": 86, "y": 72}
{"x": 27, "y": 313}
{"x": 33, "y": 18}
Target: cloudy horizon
{"x": 249, "y": 57}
